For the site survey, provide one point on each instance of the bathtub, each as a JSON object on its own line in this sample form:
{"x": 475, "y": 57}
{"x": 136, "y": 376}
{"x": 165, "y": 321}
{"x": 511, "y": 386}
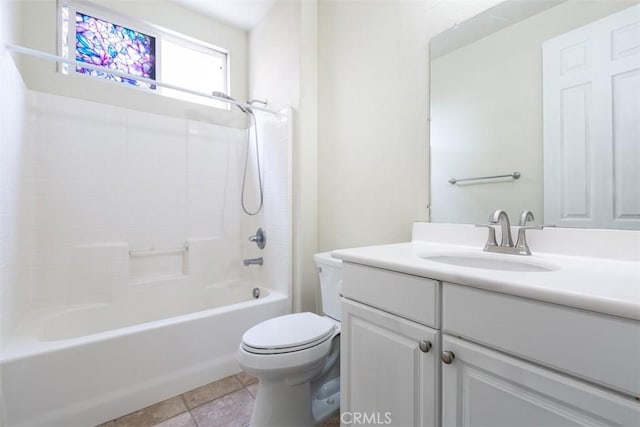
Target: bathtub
{"x": 84, "y": 365}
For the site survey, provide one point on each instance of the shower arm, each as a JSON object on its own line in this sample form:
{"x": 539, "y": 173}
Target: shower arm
{"x": 258, "y": 101}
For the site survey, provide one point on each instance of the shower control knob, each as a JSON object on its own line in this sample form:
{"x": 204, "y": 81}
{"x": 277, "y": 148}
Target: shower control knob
{"x": 447, "y": 357}
{"x": 260, "y": 238}
{"x": 425, "y": 346}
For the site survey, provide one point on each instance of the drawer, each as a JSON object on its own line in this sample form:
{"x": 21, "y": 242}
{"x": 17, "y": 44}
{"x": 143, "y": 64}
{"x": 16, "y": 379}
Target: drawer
{"x": 596, "y": 347}
{"x": 414, "y": 298}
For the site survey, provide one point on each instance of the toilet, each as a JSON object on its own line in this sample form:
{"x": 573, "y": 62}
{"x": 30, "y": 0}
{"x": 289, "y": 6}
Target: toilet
{"x": 296, "y": 358}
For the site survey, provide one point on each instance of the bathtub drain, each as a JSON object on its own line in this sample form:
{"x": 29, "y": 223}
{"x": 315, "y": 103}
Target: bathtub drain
{"x": 256, "y": 292}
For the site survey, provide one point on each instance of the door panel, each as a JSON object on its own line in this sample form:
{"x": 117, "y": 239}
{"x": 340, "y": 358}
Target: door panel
{"x": 483, "y": 387}
{"x": 591, "y": 85}
{"x": 384, "y": 374}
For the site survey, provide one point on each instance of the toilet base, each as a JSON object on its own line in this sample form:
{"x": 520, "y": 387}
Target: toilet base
{"x": 326, "y": 401}
{"x": 281, "y": 405}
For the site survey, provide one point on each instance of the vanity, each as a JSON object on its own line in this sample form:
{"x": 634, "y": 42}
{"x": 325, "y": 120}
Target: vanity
{"x": 438, "y": 332}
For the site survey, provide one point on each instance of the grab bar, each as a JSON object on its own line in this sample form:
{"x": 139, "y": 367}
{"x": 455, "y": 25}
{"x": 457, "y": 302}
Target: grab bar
{"x": 153, "y": 251}
{"x": 515, "y": 175}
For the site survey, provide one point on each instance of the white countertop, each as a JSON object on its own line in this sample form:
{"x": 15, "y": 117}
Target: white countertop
{"x": 591, "y": 283}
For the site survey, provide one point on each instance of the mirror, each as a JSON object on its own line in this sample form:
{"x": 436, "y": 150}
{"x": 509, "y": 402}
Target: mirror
{"x": 520, "y": 88}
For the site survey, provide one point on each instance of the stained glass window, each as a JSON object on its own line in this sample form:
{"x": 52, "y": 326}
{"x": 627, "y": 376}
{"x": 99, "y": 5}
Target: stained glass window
{"x": 141, "y": 49}
{"x": 113, "y": 46}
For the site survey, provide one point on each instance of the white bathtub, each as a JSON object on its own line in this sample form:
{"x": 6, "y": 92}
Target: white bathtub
{"x": 88, "y": 364}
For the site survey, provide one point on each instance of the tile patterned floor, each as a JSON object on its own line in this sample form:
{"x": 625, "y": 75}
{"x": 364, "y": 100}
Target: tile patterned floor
{"x": 224, "y": 403}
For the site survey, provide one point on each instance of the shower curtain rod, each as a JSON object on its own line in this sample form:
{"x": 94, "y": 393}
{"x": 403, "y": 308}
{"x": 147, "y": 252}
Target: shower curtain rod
{"x": 54, "y": 58}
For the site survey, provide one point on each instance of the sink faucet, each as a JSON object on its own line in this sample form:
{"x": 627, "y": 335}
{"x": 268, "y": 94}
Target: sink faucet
{"x": 252, "y": 261}
{"x": 506, "y": 246}
{"x": 501, "y": 217}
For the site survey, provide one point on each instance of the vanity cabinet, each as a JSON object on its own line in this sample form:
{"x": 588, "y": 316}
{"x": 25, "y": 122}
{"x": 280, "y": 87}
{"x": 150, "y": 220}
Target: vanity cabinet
{"x": 390, "y": 363}
{"x": 494, "y": 360}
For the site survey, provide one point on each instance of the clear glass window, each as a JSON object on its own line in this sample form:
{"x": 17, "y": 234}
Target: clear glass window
{"x": 195, "y": 68}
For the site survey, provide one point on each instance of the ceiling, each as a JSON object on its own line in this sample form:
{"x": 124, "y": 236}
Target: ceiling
{"x": 245, "y": 14}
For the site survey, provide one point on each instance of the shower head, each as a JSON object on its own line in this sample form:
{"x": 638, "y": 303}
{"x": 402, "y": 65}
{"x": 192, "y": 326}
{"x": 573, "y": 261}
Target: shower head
{"x": 225, "y": 96}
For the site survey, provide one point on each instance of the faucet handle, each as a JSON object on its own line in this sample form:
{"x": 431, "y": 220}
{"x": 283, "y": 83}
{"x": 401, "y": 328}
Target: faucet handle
{"x": 522, "y": 247}
{"x": 259, "y": 238}
{"x": 530, "y": 227}
{"x": 489, "y": 226}
{"x": 491, "y": 238}
{"x": 525, "y": 216}
{"x": 485, "y": 226}
{"x": 522, "y": 228}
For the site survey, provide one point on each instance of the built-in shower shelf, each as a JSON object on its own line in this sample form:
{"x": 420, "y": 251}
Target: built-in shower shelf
{"x": 156, "y": 252}
{"x": 158, "y": 264}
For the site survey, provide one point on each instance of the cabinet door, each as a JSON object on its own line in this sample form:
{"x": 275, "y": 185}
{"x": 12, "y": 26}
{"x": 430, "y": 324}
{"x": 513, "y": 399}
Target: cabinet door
{"x": 482, "y": 387}
{"x": 386, "y": 378}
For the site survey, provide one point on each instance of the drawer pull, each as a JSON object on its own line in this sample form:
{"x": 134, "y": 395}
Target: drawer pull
{"x": 425, "y": 346}
{"x": 447, "y": 357}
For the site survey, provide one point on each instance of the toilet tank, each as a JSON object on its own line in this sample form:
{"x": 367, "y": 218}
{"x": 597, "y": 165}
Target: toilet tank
{"x": 330, "y": 271}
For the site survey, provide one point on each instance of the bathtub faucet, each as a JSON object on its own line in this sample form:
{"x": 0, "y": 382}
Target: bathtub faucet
{"x": 251, "y": 261}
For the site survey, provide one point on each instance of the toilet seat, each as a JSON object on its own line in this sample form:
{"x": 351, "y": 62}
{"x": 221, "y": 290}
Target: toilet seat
{"x": 288, "y": 333}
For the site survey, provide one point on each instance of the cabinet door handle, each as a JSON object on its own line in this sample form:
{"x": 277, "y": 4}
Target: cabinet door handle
{"x": 447, "y": 357}
{"x": 425, "y": 346}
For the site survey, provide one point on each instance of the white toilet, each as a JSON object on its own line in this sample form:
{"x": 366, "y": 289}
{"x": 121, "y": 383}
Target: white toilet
{"x": 296, "y": 358}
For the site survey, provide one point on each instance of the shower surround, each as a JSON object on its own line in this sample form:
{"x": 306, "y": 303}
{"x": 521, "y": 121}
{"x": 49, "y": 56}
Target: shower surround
{"x": 127, "y": 240}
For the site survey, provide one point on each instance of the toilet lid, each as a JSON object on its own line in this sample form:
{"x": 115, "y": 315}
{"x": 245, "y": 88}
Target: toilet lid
{"x": 291, "y": 332}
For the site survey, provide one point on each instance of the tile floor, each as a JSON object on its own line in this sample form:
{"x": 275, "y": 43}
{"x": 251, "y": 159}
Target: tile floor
{"x": 224, "y": 403}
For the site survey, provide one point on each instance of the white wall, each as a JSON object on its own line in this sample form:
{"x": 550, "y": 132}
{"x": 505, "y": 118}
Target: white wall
{"x": 42, "y": 76}
{"x": 356, "y": 75}
{"x": 306, "y": 164}
{"x": 16, "y": 189}
{"x": 373, "y": 134}
{"x": 17, "y": 163}
{"x": 283, "y": 58}
{"x": 373, "y": 100}
{"x": 443, "y": 14}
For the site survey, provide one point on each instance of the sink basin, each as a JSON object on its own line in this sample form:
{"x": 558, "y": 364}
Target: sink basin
{"x": 487, "y": 263}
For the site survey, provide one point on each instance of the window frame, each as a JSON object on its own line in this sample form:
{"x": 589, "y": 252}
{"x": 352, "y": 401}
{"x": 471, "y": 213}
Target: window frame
{"x": 152, "y": 30}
